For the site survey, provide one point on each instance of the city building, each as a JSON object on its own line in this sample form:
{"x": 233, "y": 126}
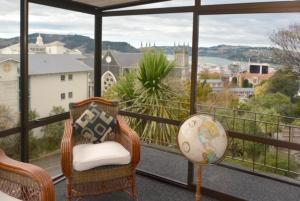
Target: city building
{"x": 54, "y": 80}
{"x": 255, "y": 74}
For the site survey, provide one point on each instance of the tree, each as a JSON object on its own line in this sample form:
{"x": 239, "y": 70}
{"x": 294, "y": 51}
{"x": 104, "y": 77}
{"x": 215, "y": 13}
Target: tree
{"x": 204, "y": 90}
{"x": 246, "y": 84}
{"x": 6, "y": 118}
{"x": 277, "y": 101}
{"x": 224, "y": 98}
{"x": 284, "y": 81}
{"x": 54, "y": 132}
{"x": 33, "y": 115}
{"x": 10, "y": 144}
{"x": 287, "y": 46}
{"x": 206, "y": 74}
{"x": 261, "y": 89}
{"x": 51, "y": 138}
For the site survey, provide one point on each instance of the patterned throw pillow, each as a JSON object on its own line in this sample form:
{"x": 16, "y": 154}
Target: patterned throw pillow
{"x": 95, "y": 124}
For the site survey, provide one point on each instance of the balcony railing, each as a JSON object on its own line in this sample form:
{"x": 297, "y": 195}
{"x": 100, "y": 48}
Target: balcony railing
{"x": 259, "y": 143}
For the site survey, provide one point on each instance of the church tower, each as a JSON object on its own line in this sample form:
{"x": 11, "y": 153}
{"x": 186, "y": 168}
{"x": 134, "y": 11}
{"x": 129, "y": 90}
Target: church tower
{"x": 181, "y": 55}
{"x": 39, "y": 40}
{"x": 148, "y": 48}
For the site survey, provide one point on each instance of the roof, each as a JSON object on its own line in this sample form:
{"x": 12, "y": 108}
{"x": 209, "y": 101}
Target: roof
{"x": 127, "y": 59}
{"x": 212, "y": 80}
{"x": 234, "y": 90}
{"x": 242, "y": 90}
{"x": 54, "y": 43}
{"x": 110, "y": 4}
{"x": 124, "y": 59}
{"x": 248, "y": 75}
{"x": 51, "y": 64}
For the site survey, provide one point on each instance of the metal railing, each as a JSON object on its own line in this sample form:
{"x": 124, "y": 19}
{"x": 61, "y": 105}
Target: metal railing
{"x": 259, "y": 142}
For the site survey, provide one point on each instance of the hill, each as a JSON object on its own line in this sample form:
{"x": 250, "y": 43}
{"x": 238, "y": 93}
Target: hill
{"x": 235, "y": 53}
{"x": 86, "y": 45}
{"x": 83, "y": 43}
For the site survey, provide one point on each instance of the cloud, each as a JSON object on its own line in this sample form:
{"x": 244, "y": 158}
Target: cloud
{"x": 162, "y": 29}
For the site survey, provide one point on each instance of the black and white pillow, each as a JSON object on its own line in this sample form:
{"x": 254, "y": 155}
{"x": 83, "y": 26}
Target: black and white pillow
{"x": 95, "y": 124}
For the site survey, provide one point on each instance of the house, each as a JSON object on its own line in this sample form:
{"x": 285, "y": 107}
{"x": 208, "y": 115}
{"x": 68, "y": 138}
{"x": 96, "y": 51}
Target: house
{"x": 54, "y": 80}
{"x": 255, "y": 74}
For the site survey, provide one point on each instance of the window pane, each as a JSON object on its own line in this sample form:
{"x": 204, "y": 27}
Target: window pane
{"x": 245, "y": 64}
{"x": 11, "y": 146}
{"x": 142, "y": 42}
{"x": 44, "y": 147}
{"x": 59, "y": 72}
{"x": 9, "y": 64}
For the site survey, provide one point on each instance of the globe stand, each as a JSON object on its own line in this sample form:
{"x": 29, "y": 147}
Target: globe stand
{"x": 202, "y": 140}
{"x": 199, "y": 182}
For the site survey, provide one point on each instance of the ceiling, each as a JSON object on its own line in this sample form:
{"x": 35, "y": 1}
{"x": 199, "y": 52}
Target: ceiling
{"x": 115, "y": 3}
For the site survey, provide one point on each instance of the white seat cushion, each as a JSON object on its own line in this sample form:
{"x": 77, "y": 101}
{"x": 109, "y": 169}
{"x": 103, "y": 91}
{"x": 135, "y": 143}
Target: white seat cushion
{"x": 4, "y": 196}
{"x": 88, "y": 156}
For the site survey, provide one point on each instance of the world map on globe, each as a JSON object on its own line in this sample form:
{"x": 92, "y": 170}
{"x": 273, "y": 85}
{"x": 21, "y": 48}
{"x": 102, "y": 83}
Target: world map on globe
{"x": 202, "y": 139}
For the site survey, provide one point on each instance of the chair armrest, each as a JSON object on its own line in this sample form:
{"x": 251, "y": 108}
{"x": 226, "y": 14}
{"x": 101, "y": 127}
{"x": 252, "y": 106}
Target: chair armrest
{"x": 130, "y": 140}
{"x": 32, "y": 172}
{"x": 67, "y": 149}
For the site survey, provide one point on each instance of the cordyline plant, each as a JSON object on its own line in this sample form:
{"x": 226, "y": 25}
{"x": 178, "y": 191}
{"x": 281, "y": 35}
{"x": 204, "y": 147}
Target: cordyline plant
{"x": 153, "y": 97}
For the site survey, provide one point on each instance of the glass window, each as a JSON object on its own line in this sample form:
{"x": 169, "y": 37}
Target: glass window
{"x": 250, "y": 55}
{"x": 62, "y": 77}
{"x": 9, "y": 64}
{"x": 122, "y": 70}
{"x": 11, "y": 146}
{"x": 52, "y": 71}
{"x": 44, "y": 146}
{"x": 70, "y": 94}
{"x": 62, "y": 96}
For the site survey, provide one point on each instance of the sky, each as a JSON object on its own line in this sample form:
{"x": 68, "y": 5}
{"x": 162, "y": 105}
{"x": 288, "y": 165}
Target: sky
{"x": 252, "y": 30}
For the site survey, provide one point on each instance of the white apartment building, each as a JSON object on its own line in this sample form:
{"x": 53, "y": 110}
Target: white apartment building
{"x": 54, "y": 80}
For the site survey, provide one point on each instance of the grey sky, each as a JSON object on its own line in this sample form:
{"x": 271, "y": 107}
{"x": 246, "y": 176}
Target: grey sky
{"x": 161, "y": 29}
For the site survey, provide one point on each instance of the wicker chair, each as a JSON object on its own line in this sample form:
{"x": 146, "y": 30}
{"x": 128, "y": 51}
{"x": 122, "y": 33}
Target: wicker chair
{"x": 24, "y": 181}
{"x": 106, "y": 178}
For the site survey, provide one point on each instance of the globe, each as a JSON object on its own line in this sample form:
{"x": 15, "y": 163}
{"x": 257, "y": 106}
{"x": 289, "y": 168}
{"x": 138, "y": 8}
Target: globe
{"x": 202, "y": 139}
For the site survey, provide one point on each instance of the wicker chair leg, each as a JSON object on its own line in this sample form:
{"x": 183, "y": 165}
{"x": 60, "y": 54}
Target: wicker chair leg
{"x": 134, "y": 190}
{"x": 69, "y": 191}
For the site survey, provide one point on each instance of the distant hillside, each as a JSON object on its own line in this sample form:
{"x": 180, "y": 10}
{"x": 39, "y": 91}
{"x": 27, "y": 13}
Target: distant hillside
{"x": 86, "y": 45}
{"x": 83, "y": 43}
{"x": 236, "y": 53}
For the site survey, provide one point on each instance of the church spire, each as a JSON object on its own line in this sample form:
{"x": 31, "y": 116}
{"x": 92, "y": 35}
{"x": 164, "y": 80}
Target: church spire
{"x": 39, "y": 40}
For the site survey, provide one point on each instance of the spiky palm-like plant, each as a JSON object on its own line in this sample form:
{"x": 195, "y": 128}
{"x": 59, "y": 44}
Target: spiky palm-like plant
{"x": 152, "y": 96}
{"x": 125, "y": 88}
{"x": 155, "y": 99}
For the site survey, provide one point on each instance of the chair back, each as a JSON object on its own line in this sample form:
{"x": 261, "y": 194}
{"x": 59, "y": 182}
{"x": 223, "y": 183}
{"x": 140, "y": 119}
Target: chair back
{"x": 76, "y": 110}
